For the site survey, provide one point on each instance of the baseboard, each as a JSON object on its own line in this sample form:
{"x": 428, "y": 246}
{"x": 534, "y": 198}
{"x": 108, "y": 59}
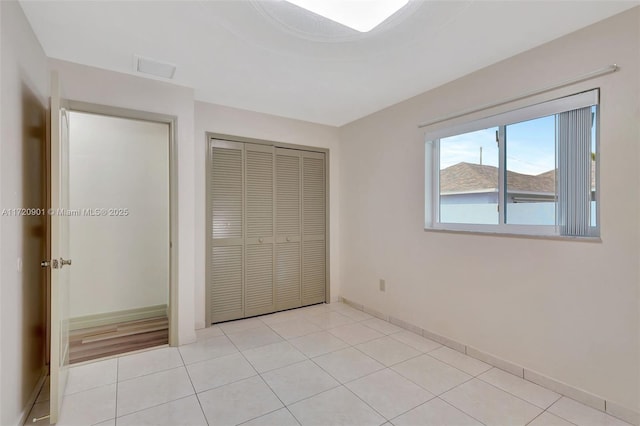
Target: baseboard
{"x": 32, "y": 399}
{"x": 624, "y": 413}
{"x": 500, "y": 363}
{"x": 109, "y": 318}
{"x": 587, "y": 398}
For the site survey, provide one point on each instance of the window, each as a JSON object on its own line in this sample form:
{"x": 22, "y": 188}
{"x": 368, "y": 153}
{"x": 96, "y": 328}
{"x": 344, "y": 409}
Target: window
{"x": 528, "y": 171}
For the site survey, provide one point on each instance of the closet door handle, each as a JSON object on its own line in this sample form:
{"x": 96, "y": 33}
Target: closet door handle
{"x": 288, "y": 239}
{"x": 260, "y": 240}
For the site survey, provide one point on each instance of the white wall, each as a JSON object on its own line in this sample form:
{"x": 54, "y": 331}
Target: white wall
{"x": 566, "y": 309}
{"x": 237, "y": 122}
{"x": 24, "y": 91}
{"x": 93, "y": 85}
{"x": 120, "y": 262}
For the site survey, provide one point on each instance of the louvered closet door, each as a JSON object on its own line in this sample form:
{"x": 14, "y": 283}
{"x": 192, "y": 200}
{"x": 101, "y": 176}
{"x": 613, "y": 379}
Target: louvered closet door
{"x": 313, "y": 228}
{"x": 288, "y": 227}
{"x": 226, "y": 198}
{"x": 259, "y": 222}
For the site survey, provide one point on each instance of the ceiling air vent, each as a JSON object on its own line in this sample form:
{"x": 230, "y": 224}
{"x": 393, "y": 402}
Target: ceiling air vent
{"x": 153, "y": 67}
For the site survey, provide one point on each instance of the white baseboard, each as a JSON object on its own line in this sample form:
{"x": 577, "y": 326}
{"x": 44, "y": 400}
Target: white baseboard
{"x": 623, "y": 413}
{"x": 109, "y": 318}
{"x": 34, "y": 395}
{"x": 587, "y": 398}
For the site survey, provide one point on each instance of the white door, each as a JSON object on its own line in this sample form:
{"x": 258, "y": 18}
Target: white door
{"x": 60, "y": 261}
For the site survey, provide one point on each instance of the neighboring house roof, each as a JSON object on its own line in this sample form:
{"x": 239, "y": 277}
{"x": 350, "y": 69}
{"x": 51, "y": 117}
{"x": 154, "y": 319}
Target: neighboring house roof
{"x": 467, "y": 177}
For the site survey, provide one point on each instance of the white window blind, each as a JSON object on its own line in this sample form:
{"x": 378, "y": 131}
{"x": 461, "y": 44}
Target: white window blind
{"x": 574, "y": 171}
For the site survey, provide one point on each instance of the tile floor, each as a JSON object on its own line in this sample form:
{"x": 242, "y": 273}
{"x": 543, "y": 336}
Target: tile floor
{"x": 320, "y": 365}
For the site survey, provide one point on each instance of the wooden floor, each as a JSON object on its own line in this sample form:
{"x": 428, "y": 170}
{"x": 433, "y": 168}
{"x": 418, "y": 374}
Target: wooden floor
{"x": 98, "y": 342}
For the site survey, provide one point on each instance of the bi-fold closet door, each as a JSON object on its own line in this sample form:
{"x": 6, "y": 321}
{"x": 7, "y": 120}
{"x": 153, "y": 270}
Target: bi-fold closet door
{"x": 267, "y": 223}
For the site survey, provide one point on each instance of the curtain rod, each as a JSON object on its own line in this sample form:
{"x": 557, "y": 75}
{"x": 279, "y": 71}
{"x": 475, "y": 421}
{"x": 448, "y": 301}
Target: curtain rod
{"x": 583, "y": 77}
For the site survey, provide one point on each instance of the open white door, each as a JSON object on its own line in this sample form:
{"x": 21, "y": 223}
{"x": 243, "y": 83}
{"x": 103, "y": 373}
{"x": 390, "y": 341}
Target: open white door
{"x": 60, "y": 261}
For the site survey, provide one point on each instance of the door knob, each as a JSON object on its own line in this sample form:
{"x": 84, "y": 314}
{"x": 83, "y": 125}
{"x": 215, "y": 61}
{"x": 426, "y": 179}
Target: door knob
{"x": 53, "y": 263}
{"x": 260, "y": 240}
{"x": 288, "y": 239}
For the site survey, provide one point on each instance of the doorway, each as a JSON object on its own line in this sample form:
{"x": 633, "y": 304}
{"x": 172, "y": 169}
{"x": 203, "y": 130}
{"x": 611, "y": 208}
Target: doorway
{"x": 119, "y": 233}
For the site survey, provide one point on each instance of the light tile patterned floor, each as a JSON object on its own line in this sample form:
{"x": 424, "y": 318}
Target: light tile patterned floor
{"x": 321, "y": 365}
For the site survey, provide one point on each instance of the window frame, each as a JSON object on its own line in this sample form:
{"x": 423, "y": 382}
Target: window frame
{"x": 501, "y": 121}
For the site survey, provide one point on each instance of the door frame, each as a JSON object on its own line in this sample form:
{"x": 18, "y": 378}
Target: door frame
{"x": 131, "y": 114}
{"x": 231, "y": 138}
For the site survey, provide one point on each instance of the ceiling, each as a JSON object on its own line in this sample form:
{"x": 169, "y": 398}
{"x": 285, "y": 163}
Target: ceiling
{"x": 272, "y": 57}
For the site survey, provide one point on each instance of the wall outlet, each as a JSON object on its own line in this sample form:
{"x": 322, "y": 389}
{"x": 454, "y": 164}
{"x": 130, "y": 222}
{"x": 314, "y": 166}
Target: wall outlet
{"x": 383, "y": 285}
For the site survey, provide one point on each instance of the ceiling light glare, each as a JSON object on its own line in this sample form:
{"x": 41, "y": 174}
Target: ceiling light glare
{"x": 361, "y": 15}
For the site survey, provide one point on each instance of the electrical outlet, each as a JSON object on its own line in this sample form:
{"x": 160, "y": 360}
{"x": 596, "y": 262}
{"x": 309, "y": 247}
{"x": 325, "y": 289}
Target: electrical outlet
{"x": 383, "y": 285}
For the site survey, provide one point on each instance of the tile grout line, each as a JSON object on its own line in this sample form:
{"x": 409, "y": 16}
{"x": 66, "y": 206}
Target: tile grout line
{"x": 311, "y": 396}
{"x": 307, "y": 359}
{"x": 340, "y": 384}
{"x": 285, "y": 406}
{"x": 266, "y": 414}
{"x": 284, "y": 366}
{"x": 92, "y": 387}
{"x": 514, "y": 395}
{"x": 389, "y": 367}
{"x": 502, "y": 390}
{"x": 153, "y": 406}
{"x": 413, "y": 408}
{"x": 532, "y": 420}
{"x": 430, "y": 400}
{"x": 453, "y": 366}
{"x": 264, "y": 381}
{"x": 459, "y": 409}
{"x": 366, "y": 403}
{"x": 128, "y": 379}
{"x": 324, "y": 353}
{"x": 87, "y": 389}
{"x": 194, "y": 388}
{"x": 434, "y": 393}
{"x": 164, "y": 370}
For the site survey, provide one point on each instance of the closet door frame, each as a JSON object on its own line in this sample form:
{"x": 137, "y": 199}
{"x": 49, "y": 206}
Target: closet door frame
{"x": 209, "y": 136}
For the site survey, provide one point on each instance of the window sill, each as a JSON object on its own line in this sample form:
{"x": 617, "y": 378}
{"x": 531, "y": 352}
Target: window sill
{"x": 515, "y": 235}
